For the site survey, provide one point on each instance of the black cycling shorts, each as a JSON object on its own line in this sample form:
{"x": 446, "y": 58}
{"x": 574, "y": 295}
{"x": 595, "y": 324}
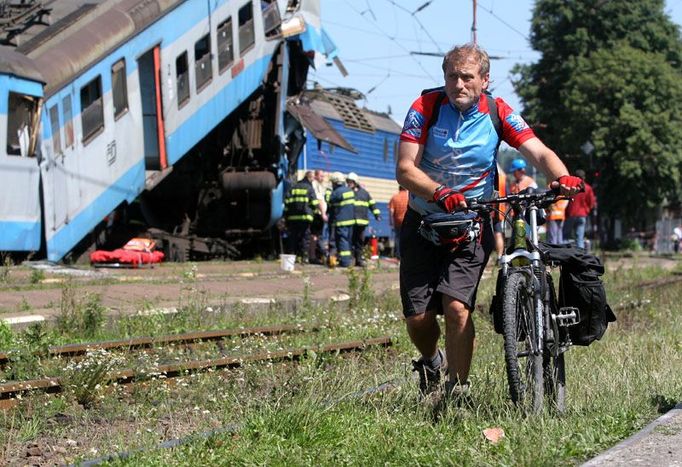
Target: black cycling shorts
{"x": 428, "y": 271}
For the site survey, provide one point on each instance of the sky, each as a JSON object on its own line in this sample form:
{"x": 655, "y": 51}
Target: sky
{"x": 377, "y": 41}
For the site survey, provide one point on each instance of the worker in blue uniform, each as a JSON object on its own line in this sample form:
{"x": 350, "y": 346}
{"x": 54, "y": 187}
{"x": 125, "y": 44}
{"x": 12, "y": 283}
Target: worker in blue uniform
{"x": 363, "y": 205}
{"x": 299, "y": 207}
{"x": 341, "y": 212}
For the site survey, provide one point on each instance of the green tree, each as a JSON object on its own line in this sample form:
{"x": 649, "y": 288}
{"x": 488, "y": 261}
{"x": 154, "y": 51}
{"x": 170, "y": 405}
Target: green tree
{"x": 611, "y": 74}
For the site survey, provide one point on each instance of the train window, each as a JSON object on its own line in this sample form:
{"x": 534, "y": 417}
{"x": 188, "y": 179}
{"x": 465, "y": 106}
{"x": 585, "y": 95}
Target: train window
{"x": 247, "y": 36}
{"x": 68, "y": 122}
{"x": 119, "y": 88}
{"x": 22, "y": 122}
{"x": 202, "y": 61}
{"x": 225, "y": 45}
{"x": 182, "y": 78}
{"x": 271, "y": 18}
{"x": 54, "y": 127}
{"x": 385, "y": 149}
{"x": 92, "y": 116}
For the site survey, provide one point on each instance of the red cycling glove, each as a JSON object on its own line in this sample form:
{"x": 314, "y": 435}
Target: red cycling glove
{"x": 570, "y": 181}
{"x": 448, "y": 199}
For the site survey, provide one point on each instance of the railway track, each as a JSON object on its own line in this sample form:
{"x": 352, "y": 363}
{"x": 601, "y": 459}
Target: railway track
{"x": 73, "y": 350}
{"x": 11, "y": 392}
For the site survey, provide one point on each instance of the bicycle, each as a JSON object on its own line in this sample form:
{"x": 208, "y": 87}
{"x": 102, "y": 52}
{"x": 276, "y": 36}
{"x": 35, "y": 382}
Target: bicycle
{"x": 534, "y": 327}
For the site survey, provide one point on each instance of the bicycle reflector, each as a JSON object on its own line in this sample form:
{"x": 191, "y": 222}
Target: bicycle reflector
{"x": 450, "y": 229}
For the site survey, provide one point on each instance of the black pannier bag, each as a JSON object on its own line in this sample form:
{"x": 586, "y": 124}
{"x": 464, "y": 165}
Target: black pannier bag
{"x": 580, "y": 286}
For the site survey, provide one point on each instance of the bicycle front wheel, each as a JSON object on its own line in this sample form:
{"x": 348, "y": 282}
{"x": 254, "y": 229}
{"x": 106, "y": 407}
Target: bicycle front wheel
{"x": 523, "y": 361}
{"x": 555, "y": 380}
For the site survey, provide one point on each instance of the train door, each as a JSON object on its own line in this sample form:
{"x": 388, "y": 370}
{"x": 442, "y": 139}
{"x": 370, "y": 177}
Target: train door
{"x": 55, "y": 177}
{"x": 149, "y": 69}
{"x": 20, "y": 220}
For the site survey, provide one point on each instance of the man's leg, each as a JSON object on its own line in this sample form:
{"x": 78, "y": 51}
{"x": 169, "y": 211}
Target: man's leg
{"x": 568, "y": 228}
{"x": 343, "y": 246}
{"x": 459, "y": 339}
{"x": 560, "y": 232}
{"x": 551, "y": 231}
{"x": 396, "y": 243}
{"x": 580, "y": 231}
{"x": 424, "y": 332}
{"x": 305, "y": 242}
{"x": 292, "y": 237}
{"x": 359, "y": 244}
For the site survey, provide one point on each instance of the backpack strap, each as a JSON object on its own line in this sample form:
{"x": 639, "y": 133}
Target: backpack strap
{"x": 494, "y": 116}
{"x": 497, "y": 124}
{"x": 442, "y": 97}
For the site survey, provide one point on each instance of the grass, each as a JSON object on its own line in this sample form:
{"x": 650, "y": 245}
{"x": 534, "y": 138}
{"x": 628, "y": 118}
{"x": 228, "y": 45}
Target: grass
{"x": 317, "y": 412}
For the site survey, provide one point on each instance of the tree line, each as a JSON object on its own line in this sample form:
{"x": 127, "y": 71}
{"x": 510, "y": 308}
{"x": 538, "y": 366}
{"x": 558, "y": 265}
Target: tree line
{"x": 606, "y": 95}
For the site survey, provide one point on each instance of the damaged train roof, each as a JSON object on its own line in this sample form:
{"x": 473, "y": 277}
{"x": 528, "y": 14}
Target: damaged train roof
{"x": 315, "y": 106}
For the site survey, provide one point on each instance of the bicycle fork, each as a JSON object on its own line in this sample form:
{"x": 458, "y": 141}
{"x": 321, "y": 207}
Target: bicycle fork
{"x": 539, "y": 314}
{"x": 538, "y": 297}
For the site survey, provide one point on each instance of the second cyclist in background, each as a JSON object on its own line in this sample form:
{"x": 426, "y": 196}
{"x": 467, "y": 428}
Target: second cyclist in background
{"x": 521, "y": 180}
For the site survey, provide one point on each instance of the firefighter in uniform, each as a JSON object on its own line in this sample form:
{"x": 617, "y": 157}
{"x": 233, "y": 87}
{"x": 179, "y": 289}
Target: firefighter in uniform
{"x": 299, "y": 206}
{"x": 363, "y": 204}
{"x": 341, "y": 213}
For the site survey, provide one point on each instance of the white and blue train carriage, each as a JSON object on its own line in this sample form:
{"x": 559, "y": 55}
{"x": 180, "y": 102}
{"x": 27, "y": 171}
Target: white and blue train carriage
{"x": 107, "y": 102}
{"x": 347, "y": 138}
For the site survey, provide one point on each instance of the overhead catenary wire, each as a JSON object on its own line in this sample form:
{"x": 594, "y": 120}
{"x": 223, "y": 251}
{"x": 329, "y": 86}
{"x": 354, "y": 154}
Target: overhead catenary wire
{"x": 492, "y": 13}
{"x": 416, "y": 20}
{"x": 392, "y": 39}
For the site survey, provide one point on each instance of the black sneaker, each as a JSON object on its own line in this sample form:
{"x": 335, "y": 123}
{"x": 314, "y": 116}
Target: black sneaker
{"x": 458, "y": 393}
{"x": 429, "y": 377}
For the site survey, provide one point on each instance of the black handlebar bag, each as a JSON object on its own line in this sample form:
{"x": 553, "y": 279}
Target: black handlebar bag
{"x": 451, "y": 230}
{"x": 580, "y": 286}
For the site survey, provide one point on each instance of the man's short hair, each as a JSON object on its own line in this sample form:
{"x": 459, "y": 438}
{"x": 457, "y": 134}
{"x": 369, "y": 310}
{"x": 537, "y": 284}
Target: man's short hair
{"x": 462, "y": 53}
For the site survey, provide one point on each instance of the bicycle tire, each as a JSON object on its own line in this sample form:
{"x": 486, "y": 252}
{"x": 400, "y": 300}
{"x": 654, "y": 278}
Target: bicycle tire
{"x": 554, "y": 369}
{"x": 525, "y": 381}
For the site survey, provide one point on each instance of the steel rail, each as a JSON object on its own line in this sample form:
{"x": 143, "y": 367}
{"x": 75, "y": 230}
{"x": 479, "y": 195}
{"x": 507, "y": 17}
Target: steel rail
{"x": 9, "y": 391}
{"x": 71, "y": 350}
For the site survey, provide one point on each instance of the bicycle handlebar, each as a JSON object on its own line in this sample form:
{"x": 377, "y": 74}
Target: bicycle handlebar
{"x": 537, "y": 198}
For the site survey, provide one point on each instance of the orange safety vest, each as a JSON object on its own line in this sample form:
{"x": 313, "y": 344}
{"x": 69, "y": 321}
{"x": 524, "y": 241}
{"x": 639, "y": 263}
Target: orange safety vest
{"x": 557, "y": 211}
{"x": 502, "y": 190}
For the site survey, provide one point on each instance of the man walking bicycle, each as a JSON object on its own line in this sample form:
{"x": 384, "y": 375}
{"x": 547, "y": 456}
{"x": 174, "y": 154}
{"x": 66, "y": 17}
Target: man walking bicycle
{"x": 447, "y": 155}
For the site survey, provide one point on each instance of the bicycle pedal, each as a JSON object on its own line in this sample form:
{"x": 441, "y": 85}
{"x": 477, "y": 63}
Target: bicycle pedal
{"x": 567, "y": 316}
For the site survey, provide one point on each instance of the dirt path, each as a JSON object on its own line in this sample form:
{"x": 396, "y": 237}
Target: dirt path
{"x": 168, "y": 286}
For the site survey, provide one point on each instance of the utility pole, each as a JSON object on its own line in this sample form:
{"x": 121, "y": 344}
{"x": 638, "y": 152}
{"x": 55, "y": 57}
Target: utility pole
{"x": 473, "y": 26}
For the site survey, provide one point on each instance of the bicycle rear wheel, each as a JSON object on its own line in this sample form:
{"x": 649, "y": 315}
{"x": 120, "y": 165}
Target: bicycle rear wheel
{"x": 524, "y": 365}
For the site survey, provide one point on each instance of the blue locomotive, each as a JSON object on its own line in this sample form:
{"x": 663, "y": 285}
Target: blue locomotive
{"x": 347, "y": 138}
{"x": 174, "y": 107}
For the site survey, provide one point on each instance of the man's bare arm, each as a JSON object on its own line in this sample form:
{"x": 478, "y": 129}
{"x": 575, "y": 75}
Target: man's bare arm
{"x": 548, "y": 162}
{"x": 409, "y": 175}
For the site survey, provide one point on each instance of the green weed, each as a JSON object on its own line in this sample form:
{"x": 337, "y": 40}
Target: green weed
{"x": 85, "y": 379}
{"x": 5, "y": 269}
{"x": 6, "y": 335}
{"x": 37, "y": 276}
{"x": 82, "y": 318}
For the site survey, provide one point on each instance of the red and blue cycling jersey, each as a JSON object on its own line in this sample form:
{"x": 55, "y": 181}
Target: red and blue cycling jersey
{"x": 460, "y": 147}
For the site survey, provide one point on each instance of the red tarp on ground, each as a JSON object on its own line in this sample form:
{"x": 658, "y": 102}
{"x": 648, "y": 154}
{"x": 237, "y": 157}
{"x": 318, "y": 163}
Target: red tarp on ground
{"x": 137, "y": 252}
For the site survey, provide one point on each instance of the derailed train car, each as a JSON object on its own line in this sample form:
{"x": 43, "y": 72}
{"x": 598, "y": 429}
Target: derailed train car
{"x": 174, "y": 107}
